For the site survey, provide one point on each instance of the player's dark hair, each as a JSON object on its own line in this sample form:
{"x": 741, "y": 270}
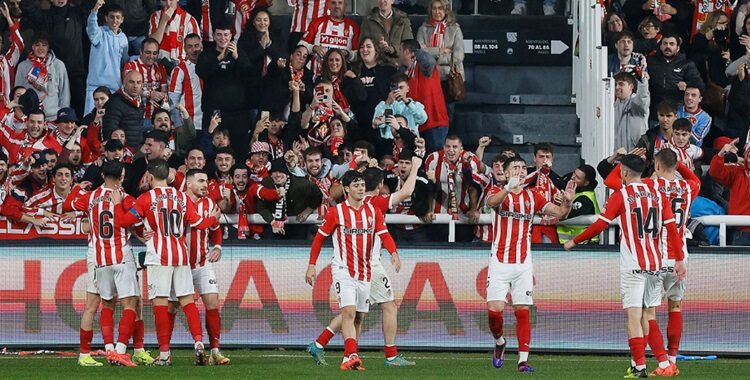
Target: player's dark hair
{"x": 112, "y": 170}
{"x": 193, "y": 172}
{"x": 192, "y": 148}
{"x": 362, "y": 144}
{"x": 373, "y": 178}
{"x": 682, "y": 124}
{"x": 351, "y": 176}
{"x": 543, "y": 147}
{"x": 159, "y": 169}
{"x": 511, "y": 160}
{"x": 633, "y": 163}
{"x": 666, "y": 157}
{"x": 239, "y": 166}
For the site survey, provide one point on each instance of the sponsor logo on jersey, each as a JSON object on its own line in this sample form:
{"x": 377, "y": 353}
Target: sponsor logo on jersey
{"x": 326, "y": 39}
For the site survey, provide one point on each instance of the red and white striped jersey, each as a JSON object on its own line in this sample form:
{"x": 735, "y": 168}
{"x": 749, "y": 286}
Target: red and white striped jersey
{"x": 546, "y": 188}
{"x": 47, "y": 199}
{"x": 382, "y": 203}
{"x": 305, "y": 11}
{"x": 154, "y": 79}
{"x": 324, "y": 184}
{"x": 8, "y": 62}
{"x": 166, "y": 212}
{"x": 329, "y": 33}
{"x": 181, "y": 24}
{"x": 511, "y": 225}
{"x": 680, "y": 195}
{"x": 642, "y": 211}
{"x": 185, "y": 87}
{"x": 483, "y": 232}
{"x": 469, "y": 163}
{"x": 354, "y": 236}
{"x": 687, "y": 155}
{"x": 110, "y": 240}
{"x": 198, "y": 240}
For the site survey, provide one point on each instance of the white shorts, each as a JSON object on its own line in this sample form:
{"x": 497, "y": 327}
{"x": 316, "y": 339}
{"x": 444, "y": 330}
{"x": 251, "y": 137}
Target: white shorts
{"x": 674, "y": 289}
{"x": 169, "y": 282}
{"x": 518, "y": 279}
{"x": 380, "y": 290}
{"x": 91, "y": 278}
{"x": 119, "y": 280}
{"x": 204, "y": 280}
{"x": 640, "y": 288}
{"x": 350, "y": 292}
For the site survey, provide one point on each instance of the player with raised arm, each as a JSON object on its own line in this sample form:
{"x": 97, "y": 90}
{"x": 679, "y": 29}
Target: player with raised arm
{"x": 381, "y": 292}
{"x": 510, "y": 266}
{"x": 201, "y": 259}
{"x": 355, "y": 225}
{"x": 165, "y": 211}
{"x": 680, "y": 193}
{"x": 643, "y": 214}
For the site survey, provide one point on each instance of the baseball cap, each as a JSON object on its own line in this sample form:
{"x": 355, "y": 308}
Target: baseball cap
{"x": 67, "y": 114}
{"x": 260, "y": 147}
{"x": 39, "y": 159}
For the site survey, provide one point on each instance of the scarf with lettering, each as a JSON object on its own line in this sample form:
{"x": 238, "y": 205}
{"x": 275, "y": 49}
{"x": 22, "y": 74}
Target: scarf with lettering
{"x": 38, "y": 75}
{"x": 243, "y": 226}
{"x": 338, "y": 95}
{"x": 280, "y": 211}
{"x": 452, "y": 199}
{"x": 437, "y": 39}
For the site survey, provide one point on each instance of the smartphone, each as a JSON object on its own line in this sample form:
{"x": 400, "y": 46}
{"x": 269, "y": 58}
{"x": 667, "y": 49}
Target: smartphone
{"x": 264, "y": 115}
{"x": 388, "y": 112}
{"x": 217, "y": 113}
{"x": 394, "y": 86}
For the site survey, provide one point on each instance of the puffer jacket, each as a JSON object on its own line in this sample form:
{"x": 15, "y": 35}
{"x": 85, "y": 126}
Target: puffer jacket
{"x": 664, "y": 76}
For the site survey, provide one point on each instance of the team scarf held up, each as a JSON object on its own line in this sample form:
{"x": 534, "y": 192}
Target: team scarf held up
{"x": 279, "y": 213}
{"x": 437, "y": 39}
{"x": 38, "y": 75}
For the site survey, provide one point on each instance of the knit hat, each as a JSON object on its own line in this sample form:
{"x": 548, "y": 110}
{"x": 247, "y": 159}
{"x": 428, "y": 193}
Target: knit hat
{"x": 279, "y": 165}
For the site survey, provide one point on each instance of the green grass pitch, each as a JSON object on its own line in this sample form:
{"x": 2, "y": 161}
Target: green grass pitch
{"x": 297, "y": 364}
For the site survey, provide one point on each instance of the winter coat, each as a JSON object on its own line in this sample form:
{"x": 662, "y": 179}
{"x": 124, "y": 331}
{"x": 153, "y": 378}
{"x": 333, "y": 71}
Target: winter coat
{"x": 373, "y": 27}
{"x": 57, "y": 94}
{"x": 454, "y": 39}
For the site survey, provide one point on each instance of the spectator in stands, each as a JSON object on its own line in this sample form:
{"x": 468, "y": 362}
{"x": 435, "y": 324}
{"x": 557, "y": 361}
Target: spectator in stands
{"x": 334, "y": 31}
{"x": 220, "y": 66}
{"x": 624, "y": 56}
{"x": 153, "y": 148}
{"x": 305, "y": 11}
{"x": 691, "y": 109}
{"x": 631, "y": 109}
{"x": 109, "y": 51}
{"x": 650, "y": 29}
{"x": 419, "y": 204}
{"x": 273, "y": 130}
{"x": 135, "y": 26}
{"x": 686, "y": 152}
{"x": 64, "y": 24}
{"x": 301, "y": 197}
{"x": 347, "y": 87}
{"x": 398, "y": 102}
{"x": 222, "y": 163}
{"x": 655, "y": 138}
{"x": 23, "y": 182}
{"x": 736, "y": 177}
{"x": 441, "y": 36}
{"x": 258, "y": 161}
{"x": 676, "y": 15}
{"x": 549, "y": 184}
{"x": 261, "y": 42}
{"x": 22, "y": 143}
{"x": 68, "y": 134}
{"x": 548, "y": 7}
{"x": 388, "y": 27}
{"x": 318, "y": 171}
{"x": 710, "y": 49}
{"x": 128, "y": 153}
{"x": 124, "y": 110}
{"x": 425, "y": 87}
{"x": 46, "y": 75}
{"x": 99, "y": 98}
{"x": 113, "y": 151}
{"x": 169, "y": 27}
{"x": 612, "y": 25}
{"x": 186, "y": 88}
{"x": 738, "y": 115}
{"x": 316, "y": 120}
{"x": 278, "y": 88}
{"x": 9, "y": 60}
{"x": 243, "y": 200}
{"x": 180, "y": 138}
{"x": 741, "y": 41}
{"x": 670, "y": 72}
{"x": 154, "y": 80}
{"x": 375, "y": 77}
{"x": 584, "y": 203}
{"x": 15, "y": 119}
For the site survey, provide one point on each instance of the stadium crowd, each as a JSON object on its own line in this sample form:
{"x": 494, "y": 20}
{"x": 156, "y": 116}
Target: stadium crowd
{"x": 259, "y": 108}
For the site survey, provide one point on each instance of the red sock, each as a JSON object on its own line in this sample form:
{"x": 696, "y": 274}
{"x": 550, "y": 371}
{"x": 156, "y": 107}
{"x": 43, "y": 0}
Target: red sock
{"x": 86, "y": 336}
{"x": 390, "y": 351}
{"x": 656, "y": 341}
{"x": 171, "y": 322}
{"x": 138, "y": 332}
{"x": 523, "y": 329}
{"x": 107, "y": 325}
{"x": 496, "y": 323}
{"x": 325, "y": 337}
{"x": 213, "y": 326}
{"x": 674, "y": 332}
{"x": 194, "y": 321}
{"x": 350, "y": 347}
{"x": 127, "y": 324}
{"x": 163, "y": 333}
{"x": 638, "y": 350}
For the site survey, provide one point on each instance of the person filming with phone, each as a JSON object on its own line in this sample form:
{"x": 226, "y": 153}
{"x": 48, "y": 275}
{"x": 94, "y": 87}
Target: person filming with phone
{"x": 398, "y": 102}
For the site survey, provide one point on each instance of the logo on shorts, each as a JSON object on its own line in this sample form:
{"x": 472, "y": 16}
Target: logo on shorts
{"x": 367, "y": 301}
{"x": 212, "y": 281}
{"x": 529, "y": 293}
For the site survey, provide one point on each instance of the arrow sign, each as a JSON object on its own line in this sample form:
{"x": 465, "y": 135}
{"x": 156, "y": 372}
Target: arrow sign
{"x": 558, "y": 47}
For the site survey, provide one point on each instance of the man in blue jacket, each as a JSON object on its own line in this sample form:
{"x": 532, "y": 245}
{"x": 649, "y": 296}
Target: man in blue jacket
{"x": 109, "y": 51}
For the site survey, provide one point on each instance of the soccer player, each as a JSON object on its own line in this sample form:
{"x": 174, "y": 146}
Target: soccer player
{"x": 164, "y": 211}
{"x": 204, "y": 278}
{"x": 356, "y": 225}
{"x": 380, "y": 291}
{"x": 115, "y": 270}
{"x": 643, "y": 214}
{"x": 510, "y": 267}
{"x": 680, "y": 193}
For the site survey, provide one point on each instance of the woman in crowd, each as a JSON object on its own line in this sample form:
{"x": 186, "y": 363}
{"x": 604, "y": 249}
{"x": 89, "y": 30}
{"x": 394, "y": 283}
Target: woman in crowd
{"x": 612, "y": 25}
{"x": 710, "y": 48}
{"x": 347, "y": 87}
{"x": 375, "y": 77}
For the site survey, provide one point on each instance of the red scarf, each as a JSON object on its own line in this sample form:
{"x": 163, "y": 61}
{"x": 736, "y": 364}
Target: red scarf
{"x": 243, "y": 226}
{"x": 38, "y": 76}
{"x": 296, "y": 75}
{"x": 135, "y": 102}
{"x": 437, "y": 39}
{"x": 338, "y": 96}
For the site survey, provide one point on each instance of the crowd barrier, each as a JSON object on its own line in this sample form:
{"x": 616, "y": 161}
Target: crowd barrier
{"x": 440, "y": 292}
